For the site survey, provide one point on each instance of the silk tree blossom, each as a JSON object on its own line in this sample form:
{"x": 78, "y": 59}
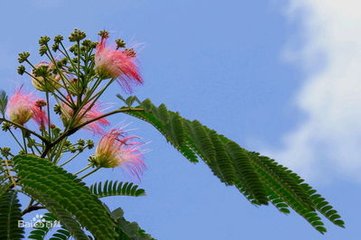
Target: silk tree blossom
{"x": 117, "y": 149}
{"x": 39, "y": 115}
{"x": 24, "y": 106}
{"x": 116, "y": 63}
{"x": 86, "y": 114}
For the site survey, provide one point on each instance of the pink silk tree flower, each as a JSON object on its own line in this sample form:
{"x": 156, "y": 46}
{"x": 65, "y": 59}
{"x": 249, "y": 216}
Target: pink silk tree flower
{"x": 39, "y": 115}
{"x": 116, "y": 149}
{"x": 86, "y": 114}
{"x": 115, "y": 63}
{"x": 23, "y": 106}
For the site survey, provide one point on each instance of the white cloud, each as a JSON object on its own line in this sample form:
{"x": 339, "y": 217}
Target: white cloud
{"x": 328, "y": 142}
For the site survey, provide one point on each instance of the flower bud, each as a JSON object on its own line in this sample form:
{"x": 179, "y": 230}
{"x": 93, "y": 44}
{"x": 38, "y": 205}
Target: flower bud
{"x": 23, "y": 57}
{"x": 77, "y": 35}
{"x": 21, "y": 70}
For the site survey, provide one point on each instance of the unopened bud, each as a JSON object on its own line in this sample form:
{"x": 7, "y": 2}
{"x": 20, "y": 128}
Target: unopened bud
{"x": 40, "y": 103}
{"x": 120, "y": 43}
{"x": 104, "y": 34}
{"x": 21, "y": 69}
{"x": 44, "y": 40}
{"x": 6, "y": 126}
{"x": 23, "y": 57}
{"x": 58, "y": 39}
{"x": 42, "y": 50}
{"x": 130, "y": 52}
{"x": 77, "y": 36}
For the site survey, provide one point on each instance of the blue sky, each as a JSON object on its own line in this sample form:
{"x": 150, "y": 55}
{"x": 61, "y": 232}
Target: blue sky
{"x": 280, "y": 77}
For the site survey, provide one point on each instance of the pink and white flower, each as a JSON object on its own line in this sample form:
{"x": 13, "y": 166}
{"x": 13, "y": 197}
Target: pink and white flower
{"x": 39, "y": 115}
{"x": 117, "y": 149}
{"x": 24, "y": 106}
{"x": 115, "y": 63}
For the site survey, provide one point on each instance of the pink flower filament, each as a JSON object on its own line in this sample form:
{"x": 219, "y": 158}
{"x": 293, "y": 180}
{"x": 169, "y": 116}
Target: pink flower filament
{"x": 115, "y": 63}
{"x": 116, "y": 149}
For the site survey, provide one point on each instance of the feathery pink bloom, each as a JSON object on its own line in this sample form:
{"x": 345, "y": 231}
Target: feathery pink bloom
{"x": 39, "y": 115}
{"x": 117, "y": 149}
{"x": 23, "y": 106}
{"x": 86, "y": 115}
{"x": 115, "y": 63}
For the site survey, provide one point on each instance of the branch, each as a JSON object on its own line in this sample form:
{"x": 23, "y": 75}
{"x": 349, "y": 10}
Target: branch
{"x": 75, "y": 129}
{"x": 26, "y": 129}
{"x": 31, "y": 208}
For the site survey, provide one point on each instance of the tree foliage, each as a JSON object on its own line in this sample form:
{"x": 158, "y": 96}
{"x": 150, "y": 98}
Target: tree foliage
{"x": 259, "y": 178}
{"x": 72, "y": 85}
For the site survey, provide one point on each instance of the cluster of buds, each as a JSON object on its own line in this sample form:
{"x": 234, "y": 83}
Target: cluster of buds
{"x": 76, "y": 81}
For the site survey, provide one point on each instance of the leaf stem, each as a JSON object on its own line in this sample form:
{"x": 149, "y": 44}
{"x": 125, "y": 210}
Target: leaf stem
{"x": 70, "y": 159}
{"x": 82, "y": 170}
{"x": 16, "y": 139}
{"x": 91, "y": 172}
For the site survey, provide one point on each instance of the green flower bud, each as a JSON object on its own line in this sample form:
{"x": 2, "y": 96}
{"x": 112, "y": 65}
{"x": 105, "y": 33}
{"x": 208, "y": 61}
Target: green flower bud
{"x": 6, "y": 126}
{"x": 44, "y": 40}
{"x": 120, "y": 43}
{"x": 58, "y": 39}
{"x": 23, "y": 57}
{"x": 104, "y": 34}
{"x": 77, "y": 36}
{"x": 42, "y": 50}
{"x": 21, "y": 69}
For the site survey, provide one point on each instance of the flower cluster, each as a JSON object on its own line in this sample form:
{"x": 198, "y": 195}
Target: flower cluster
{"x": 72, "y": 84}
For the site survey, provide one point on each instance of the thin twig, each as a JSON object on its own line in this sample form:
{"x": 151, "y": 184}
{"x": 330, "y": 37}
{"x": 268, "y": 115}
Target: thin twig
{"x": 25, "y": 129}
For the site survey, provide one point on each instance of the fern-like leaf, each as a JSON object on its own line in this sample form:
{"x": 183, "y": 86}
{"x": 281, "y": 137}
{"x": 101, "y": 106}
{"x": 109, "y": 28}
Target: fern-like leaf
{"x": 259, "y": 178}
{"x": 110, "y": 188}
{"x": 10, "y": 215}
{"x": 65, "y": 196}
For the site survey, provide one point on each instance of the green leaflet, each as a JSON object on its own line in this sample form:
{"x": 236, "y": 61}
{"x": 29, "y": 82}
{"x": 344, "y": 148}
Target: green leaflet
{"x": 39, "y": 233}
{"x": 110, "y": 188}
{"x": 61, "y": 234}
{"x": 129, "y": 230}
{"x": 5, "y": 183}
{"x": 65, "y": 196}
{"x": 3, "y": 102}
{"x": 259, "y": 178}
{"x": 10, "y": 214}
